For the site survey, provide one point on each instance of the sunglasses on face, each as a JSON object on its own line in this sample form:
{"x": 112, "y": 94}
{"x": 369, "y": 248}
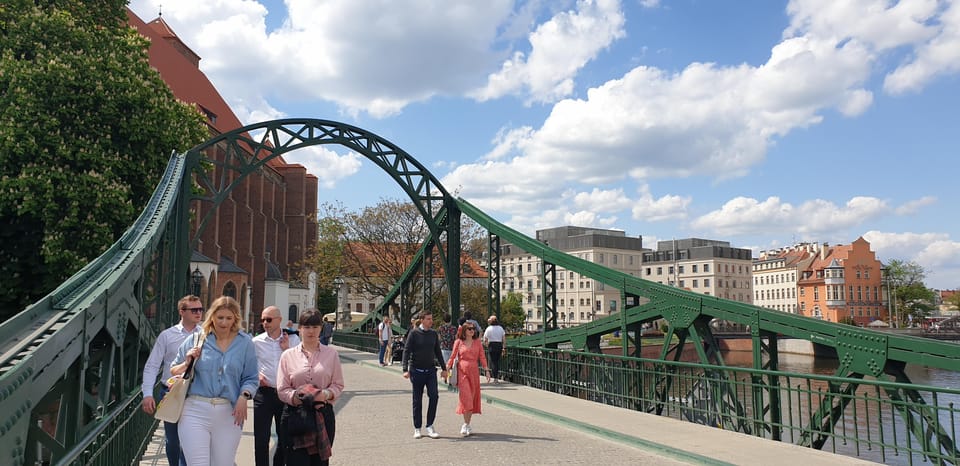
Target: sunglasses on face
{"x": 267, "y": 319}
{"x": 193, "y": 309}
{"x": 469, "y": 328}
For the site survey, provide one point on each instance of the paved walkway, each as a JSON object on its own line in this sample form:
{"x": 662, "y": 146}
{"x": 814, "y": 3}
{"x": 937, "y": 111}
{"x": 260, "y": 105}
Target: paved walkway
{"x": 519, "y": 425}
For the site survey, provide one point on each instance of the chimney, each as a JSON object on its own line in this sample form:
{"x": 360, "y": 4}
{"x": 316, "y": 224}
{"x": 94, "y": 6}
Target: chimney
{"x": 823, "y": 251}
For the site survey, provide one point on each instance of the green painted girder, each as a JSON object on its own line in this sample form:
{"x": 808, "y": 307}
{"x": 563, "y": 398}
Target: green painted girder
{"x": 281, "y": 136}
{"x": 72, "y": 360}
{"x": 861, "y": 346}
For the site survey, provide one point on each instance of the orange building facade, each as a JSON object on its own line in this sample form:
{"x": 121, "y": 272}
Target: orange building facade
{"x": 843, "y": 282}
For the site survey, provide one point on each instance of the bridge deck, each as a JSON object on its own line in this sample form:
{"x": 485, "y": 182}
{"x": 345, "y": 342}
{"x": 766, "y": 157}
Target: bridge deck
{"x": 519, "y": 425}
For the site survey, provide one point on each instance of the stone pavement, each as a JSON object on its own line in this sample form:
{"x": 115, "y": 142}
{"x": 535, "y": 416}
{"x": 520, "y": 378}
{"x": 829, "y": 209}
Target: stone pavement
{"x": 519, "y": 425}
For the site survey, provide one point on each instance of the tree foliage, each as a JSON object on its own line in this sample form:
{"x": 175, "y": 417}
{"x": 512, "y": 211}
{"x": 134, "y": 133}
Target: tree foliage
{"x": 86, "y": 129}
{"x": 375, "y": 245}
{"x": 511, "y": 312}
{"x": 912, "y": 300}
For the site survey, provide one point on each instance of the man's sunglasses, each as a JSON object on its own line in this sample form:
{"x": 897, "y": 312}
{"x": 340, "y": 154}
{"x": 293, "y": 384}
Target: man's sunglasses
{"x": 193, "y": 309}
{"x": 267, "y": 319}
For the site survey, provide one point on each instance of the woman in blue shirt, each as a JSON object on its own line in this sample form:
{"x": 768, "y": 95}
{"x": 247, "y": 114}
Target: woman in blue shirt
{"x": 224, "y": 380}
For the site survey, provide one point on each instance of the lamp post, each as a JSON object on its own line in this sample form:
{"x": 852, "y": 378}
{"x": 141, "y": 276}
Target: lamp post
{"x": 196, "y": 279}
{"x": 337, "y": 284}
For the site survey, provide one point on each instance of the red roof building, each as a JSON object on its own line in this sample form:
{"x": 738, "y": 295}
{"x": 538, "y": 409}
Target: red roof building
{"x": 265, "y": 227}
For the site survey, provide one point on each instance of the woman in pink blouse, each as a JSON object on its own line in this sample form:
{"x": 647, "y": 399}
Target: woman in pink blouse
{"x": 469, "y": 349}
{"x": 309, "y": 379}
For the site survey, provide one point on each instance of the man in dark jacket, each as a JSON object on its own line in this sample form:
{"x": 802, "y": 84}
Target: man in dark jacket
{"x": 421, "y": 354}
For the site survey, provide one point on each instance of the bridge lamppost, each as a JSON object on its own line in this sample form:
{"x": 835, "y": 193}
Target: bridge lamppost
{"x": 196, "y": 279}
{"x": 337, "y": 284}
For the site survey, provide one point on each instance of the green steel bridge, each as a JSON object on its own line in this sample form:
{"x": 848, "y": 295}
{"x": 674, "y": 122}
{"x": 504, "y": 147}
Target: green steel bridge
{"x": 72, "y": 362}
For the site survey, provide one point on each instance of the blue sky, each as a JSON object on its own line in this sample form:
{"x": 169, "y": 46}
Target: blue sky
{"x": 758, "y": 122}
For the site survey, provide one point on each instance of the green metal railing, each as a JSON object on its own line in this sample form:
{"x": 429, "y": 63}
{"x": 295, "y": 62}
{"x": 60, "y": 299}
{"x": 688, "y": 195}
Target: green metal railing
{"x": 876, "y": 423}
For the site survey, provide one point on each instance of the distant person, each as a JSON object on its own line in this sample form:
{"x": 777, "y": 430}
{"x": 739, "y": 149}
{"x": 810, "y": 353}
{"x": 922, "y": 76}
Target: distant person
{"x": 467, "y": 352}
{"x": 385, "y": 337}
{"x": 267, "y": 406}
{"x": 493, "y": 339}
{"x": 224, "y": 380}
{"x": 468, "y": 317}
{"x": 448, "y": 334}
{"x": 421, "y": 355}
{"x": 309, "y": 380}
{"x": 158, "y": 363}
{"x": 326, "y": 334}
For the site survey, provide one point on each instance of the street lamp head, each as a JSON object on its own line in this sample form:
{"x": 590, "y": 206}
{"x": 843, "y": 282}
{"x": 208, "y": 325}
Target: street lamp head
{"x": 337, "y": 284}
{"x": 196, "y": 279}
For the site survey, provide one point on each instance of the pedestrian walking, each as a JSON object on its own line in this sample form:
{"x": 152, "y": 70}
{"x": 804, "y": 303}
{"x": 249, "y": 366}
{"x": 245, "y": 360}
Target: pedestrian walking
{"x": 309, "y": 380}
{"x": 421, "y": 355}
{"x": 494, "y": 339}
{"x": 224, "y": 380}
{"x": 267, "y": 406}
{"x": 158, "y": 363}
{"x": 468, "y": 356}
{"x": 385, "y": 337}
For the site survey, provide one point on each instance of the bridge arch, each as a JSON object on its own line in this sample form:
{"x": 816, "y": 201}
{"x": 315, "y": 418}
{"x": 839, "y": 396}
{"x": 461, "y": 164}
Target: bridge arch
{"x": 243, "y": 155}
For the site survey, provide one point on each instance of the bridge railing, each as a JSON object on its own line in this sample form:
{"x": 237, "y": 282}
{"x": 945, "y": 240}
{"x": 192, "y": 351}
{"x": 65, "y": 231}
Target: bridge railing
{"x": 872, "y": 426}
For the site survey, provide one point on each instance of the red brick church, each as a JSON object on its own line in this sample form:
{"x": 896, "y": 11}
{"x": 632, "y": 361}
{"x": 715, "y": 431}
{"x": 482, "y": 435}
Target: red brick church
{"x": 251, "y": 249}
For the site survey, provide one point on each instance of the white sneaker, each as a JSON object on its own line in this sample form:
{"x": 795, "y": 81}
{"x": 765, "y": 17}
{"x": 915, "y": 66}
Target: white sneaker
{"x": 469, "y": 430}
{"x": 416, "y": 433}
{"x": 432, "y": 433}
{"x": 463, "y": 430}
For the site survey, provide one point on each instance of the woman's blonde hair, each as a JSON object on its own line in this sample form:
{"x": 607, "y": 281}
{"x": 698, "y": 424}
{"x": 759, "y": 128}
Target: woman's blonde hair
{"x": 223, "y": 302}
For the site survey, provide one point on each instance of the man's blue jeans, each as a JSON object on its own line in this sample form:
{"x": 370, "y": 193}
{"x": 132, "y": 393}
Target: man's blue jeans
{"x": 174, "y": 456}
{"x": 383, "y": 350}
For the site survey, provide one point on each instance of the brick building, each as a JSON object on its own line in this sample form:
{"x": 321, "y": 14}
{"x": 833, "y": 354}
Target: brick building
{"x": 843, "y": 281}
{"x": 257, "y": 236}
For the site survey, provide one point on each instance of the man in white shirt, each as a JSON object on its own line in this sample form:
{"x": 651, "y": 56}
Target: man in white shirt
{"x": 267, "y": 406}
{"x": 158, "y": 363}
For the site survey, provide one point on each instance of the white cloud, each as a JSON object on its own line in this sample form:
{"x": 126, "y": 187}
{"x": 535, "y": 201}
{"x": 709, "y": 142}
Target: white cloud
{"x": 560, "y": 47}
{"x": 935, "y": 252}
{"x": 812, "y": 219}
{"x": 937, "y": 56}
{"x": 373, "y": 56}
{"x": 911, "y": 207}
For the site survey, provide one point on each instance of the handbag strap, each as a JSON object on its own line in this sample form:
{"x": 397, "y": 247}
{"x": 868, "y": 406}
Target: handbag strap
{"x": 198, "y": 339}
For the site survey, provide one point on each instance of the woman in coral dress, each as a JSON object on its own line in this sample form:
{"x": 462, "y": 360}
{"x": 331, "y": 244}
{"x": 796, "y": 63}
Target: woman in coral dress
{"x": 469, "y": 349}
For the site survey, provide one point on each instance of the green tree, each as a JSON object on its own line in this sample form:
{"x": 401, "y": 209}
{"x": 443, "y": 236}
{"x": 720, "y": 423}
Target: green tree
{"x": 86, "y": 129}
{"x": 511, "y": 312}
{"x": 911, "y": 299}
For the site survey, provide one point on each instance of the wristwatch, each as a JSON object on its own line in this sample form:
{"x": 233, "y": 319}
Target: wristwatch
{"x": 247, "y": 395}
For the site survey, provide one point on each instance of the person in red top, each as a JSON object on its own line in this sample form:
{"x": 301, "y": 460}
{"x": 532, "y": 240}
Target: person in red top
{"x": 309, "y": 380}
{"x": 467, "y": 351}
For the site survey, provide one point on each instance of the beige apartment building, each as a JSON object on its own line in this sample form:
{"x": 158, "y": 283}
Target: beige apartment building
{"x": 710, "y": 267}
{"x": 775, "y": 275}
{"x": 579, "y": 299}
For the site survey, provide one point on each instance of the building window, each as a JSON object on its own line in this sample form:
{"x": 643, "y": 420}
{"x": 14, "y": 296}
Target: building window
{"x": 693, "y": 268}
{"x": 679, "y": 269}
{"x": 696, "y": 283}
{"x": 230, "y": 290}
{"x": 659, "y": 270}
{"x": 706, "y": 268}
{"x": 599, "y": 257}
{"x": 681, "y": 284}
{"x": 293, "y": 314}
{"x": 706, "y": 283}
{"x": 613, "y": 305}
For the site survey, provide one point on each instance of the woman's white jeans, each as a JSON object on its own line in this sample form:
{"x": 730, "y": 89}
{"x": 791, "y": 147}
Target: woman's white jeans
{"x": 208, "y": 434}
